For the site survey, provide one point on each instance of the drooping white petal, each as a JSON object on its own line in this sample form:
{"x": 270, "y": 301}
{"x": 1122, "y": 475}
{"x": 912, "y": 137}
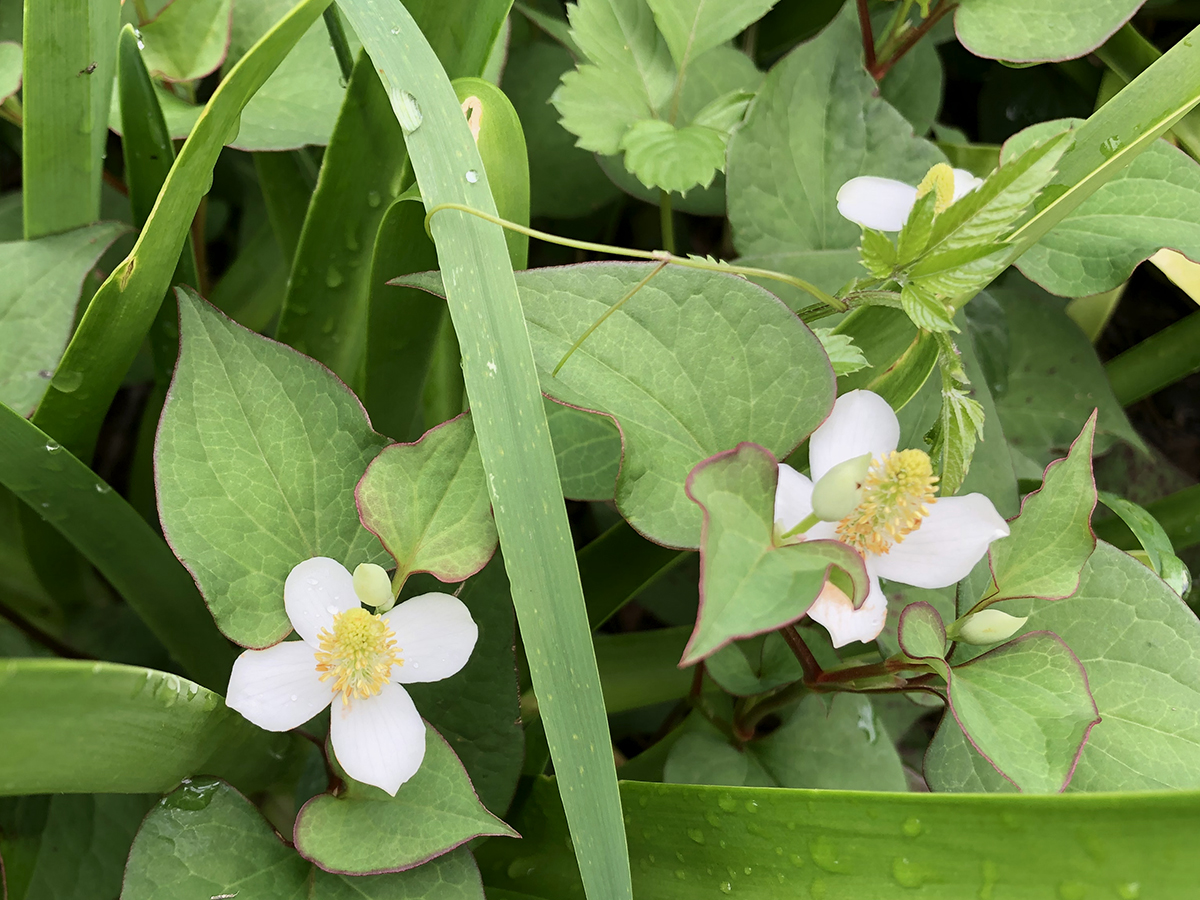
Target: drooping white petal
{"x": 879, "y": 203}
{"x": 379, "y": 740}
{"x": 278, "y": 688}
{"x": 952, "y": 538}
{"x": 435, "y": 635}
{"x": 845, "y": 624}
{"x": 861, "y": 422}
{"x": 964, "y": 183}
{"x": 793, "y": 498}
{"x": 316, "y": 591}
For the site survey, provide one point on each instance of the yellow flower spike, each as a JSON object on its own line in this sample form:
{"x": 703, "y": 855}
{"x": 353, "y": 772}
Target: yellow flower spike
{"x": 939, "y": 180}
{"x": 358, "y": 654}
{"x": 895, "y": 497}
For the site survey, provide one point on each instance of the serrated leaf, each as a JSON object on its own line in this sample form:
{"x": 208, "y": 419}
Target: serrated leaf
{"x": 723, "y": 113}
{"x": 363, "y": 830}
{"x": 914, "y": 236}
{"x": 798, "y": 146}
{"x": 693, "y": 26}
{"x": 960, "y": 273}
{"x": 901, "y": 356}
{"x": 40, "y": 282}
{"x": 878, "y": 253}
{"x": 952, "y": 440}
{"x": 921, "y": 632}
{"x": 673, "y": 159}
{"x": 925, "y": 309}
{"x": 844, "y": 355}
{"x": 259, "y": 451}
{"x": 1027, "y": 708}
{"x": 428, "y": 503}
{"x": 1052, "y": 538}
{"x": 206, "y": 840}
{"x": 748, "y": 585}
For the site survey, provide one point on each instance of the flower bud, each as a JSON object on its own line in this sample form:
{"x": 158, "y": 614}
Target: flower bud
{"x": 839, "y": 491}
{"x": 988, "y": 626}
{"x": 372, "y": 585}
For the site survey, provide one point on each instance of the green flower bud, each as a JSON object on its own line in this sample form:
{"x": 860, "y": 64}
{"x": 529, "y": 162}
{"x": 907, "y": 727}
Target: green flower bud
{"x": 372, "y": 585}
{"x": 988, "y": 626}
{"x": 839, "y": 491}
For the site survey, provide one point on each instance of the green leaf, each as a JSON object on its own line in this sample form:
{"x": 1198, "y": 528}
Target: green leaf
{"x": 66, "y": 86}
{"x": 1027, "y": 708}
{"x": 120, "y": 314}
{"x": 640, "y": 668}
{"x": 952, "y": 439}
{"x": 842, "y": 746}
{"x": 798, "y": 147}
{"x": 921, "y": 632}
{"x": 115, "y": 538}
{"x": 514, "y": 440}
{"x": 878, "y": 253}
{"x": 10, "y": 69}
{"x": 428, "y": 503}
{"x": 82, "y": 727}
{"x": 748, "y": 584}
{"x": 914, "y": 86}
{"x": 925, "y": 309}
{"x": 618, "y": 565}
{"x": 1029, "y": 31}
{"x": 1150, "y": 204}
{"x": 725, "y": 112}
{"x": 588, "y": 449}
{"x": 363, "y": 830}
{"x": 68, "y": 846}
{"x": 259, "y": 451}
{"x": 40, "y": 283}
{"x": 1153, "y": 538}
{"x": 1055, "y": 380}
{"x": 629, "y": 74}
{"x": 477, "y": 711}
{"x": 704, "y": 757}
{"x": 901, "y": 357}
{"x": 774, "y": 665}
{"x": 188, "y": 39}
{"x": 691, "y": 27}
{"x": 857, "y": 844}
{"x": 844, "y": 355}
{"x": 205, "y": 840}
{"x": 1052, "y": 538}
{"x": 674, "y": 159}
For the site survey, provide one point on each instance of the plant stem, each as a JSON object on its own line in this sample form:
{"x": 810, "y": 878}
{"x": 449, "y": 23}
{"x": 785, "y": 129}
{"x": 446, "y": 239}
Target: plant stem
{"x": 808, "y": 662}
{"x": 667, "y": 219}
{"x": 868, "y": 38}
{"x": 337, "y": 37}
{"x": 881, "y": 68}
{"x": 654, "y": 255}
{"x": 800, "y": 527}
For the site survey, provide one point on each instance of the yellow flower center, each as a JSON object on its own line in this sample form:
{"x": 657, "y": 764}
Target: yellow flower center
{"x": 895, "y": 496}
{"x": 940, "y": 180}
{"x": 358, "y": 654}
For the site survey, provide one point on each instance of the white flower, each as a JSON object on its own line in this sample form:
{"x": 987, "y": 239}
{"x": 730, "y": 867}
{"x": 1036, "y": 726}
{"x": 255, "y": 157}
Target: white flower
{"x": 901, "y": 531}
{"x": 884, "y": 203}
{"x": 357, "y": 661}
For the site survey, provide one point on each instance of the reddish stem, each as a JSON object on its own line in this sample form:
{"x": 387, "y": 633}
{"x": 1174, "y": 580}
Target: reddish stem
{"x": 879, "y": 69}
{"x": 808, "y": 662}
{"x": 868, "y": 38}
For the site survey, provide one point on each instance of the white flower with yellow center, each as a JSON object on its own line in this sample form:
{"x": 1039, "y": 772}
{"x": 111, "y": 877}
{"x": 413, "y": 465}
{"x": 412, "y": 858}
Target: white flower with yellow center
{"x": 903, "y": 532}
{"x": 358, "y": 661}
{"x": 884, "y": 203}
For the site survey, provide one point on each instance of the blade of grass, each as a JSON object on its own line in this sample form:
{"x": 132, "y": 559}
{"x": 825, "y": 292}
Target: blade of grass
{"x": 116, "y": 539}
{"x": 1160, "y": 360}
{"x": 514, "y": 439}
{"x": 70, "y": 52}
{"x": 120, "y": 315}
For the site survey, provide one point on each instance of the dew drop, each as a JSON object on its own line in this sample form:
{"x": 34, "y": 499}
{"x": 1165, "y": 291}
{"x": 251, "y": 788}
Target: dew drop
{"x": 912, "y": 826}
{"x": 67, "y": 381}
{"x": 333, "y": 277}
{"x": 907, "y": 873}
{"x": 327, "y": 326}
{"x": 817, "y": 889}
{"x": 751, "y": 806}
{"x": 726, "y": 887}
{"x": 696, "y": 835}
{"x": 395, "y": 29}
{"x": 472, "y": 176}
{"x": 1130, "y": 890}
{"x": 408, "y": 111}
{"x": 747, "y": 870}
{"x": 824, "y": 855}
{"x": 727, "y": 803}
{"x": 102, "y": 488}
{"x": 681, "y": 874}
{"x": 797, "y": 860}
{"x": 712, "y": 819}
{"x": 1110, "y": 146}
{"x": 294, "y": 698}
{"x": 373, "y": 199}
{"x": 52, "y": 447}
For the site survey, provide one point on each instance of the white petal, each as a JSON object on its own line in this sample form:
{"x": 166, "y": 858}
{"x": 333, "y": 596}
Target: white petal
{"x": 793, "y": 498}
{"x": 952, "y": 538}
{"x": 964, "y": 183}
{"x": 379, "y": 740}
{"x": 836, "y": 612}
{"x": 879, "y": 203}
{"x": 316, "y": 591}
{"x": 861, "y": 422}
{"x": 435, "y": 635}
{"x": 277, "y": 688}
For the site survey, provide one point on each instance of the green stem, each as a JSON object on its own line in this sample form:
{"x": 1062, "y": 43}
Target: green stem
{"x": 608, "y": 312}
{"x": 801, "y": 527}
{"x": 653, "y": 255}
{"x": 1161, "y": 360}
{"x": 883, "y": 66}
{"x": 666, "y": 219}
{"x": 337, "y": 37}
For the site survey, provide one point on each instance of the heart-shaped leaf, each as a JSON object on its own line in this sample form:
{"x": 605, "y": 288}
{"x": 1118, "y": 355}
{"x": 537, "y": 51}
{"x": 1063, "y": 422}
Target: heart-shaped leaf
{"x": 922, "y": 634}
{"x": 259, "y": 451}
{"x": 364, "y": 831}
{"x": 428, "y": 503}
{"x": 748, "y": 585}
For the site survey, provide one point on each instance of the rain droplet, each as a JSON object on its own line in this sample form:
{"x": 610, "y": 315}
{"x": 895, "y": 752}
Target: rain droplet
{"x": 1109, "y": 147}
{"x": 911, "y": 827}
{"x": 907, "y": 873}
{"x": 103, "y": 488}
{"x": 726, "y": 887}
{"x": 52, "y": 447}
{"x": 408, "y": 111}
{"x": 373, "y": 199}
{"x": 395, "y": 29}
{"x": 67, "y": 381}
{"x": 696, "y": 835}
{"x": 711, "y": 818}
{"x": 727, "y": 803}
{"x": 333, "y": 277}
{"x": 294, "y": 698}
{"x": 1131, "y": 890}
{"x": 327, "y": 327}
{"x": 472, "y": 176}
{"x": 681, "y": 874}
{"x": 824, "y": 855}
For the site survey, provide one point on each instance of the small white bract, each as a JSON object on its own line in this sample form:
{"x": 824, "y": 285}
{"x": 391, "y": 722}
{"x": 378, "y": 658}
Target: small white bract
{"x": 884, "y": 203}
{"x": 901, "y": 531}
{"x": 357, "y": 661}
